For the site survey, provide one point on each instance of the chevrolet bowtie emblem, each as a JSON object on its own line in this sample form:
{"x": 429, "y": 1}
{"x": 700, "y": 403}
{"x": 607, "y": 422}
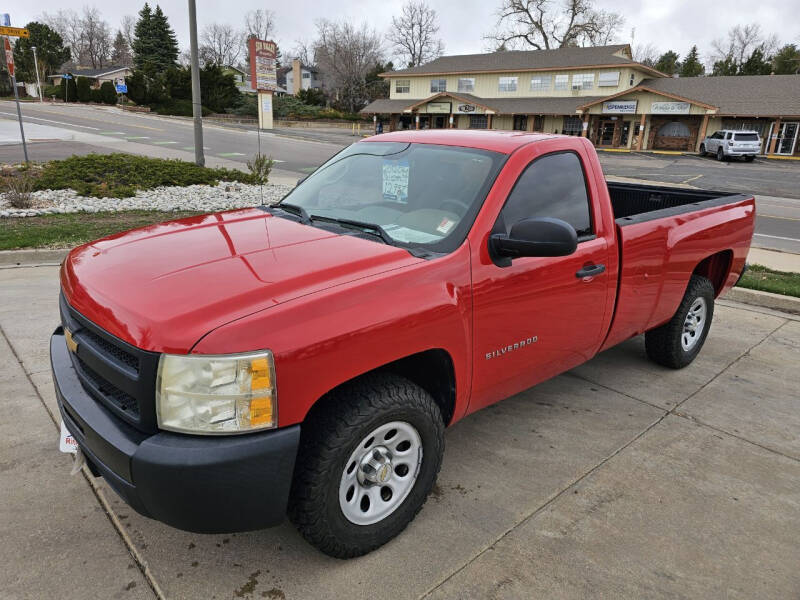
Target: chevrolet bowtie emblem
{"x": 72, "y": 345}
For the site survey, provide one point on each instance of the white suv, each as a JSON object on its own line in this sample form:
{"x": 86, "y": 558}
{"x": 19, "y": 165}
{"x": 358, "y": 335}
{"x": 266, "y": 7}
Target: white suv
{"x": 728, "y": 143}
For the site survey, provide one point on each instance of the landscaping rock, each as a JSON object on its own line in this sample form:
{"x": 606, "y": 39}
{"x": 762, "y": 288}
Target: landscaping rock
{"x": 225, "y": 196}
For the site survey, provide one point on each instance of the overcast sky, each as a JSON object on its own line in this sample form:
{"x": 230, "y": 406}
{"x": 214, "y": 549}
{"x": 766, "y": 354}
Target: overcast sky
{"x": 668, "y": 24}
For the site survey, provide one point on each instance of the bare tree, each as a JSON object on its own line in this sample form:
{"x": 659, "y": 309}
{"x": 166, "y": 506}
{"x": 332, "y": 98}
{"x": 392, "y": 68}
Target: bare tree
{"x": 259, "y": 24}
{"x": 345, "y": 53}
{"x": 95, "y": 37}
{"x": 543, "y": 25}
{"x": 67, "y": 24}
{"x": 742, "y": 40}
{"x": 127, "y": 26}
{"x": 220, "y": 44}
{"x": 303, "y": 52}
{"x": 647, "y": 54}
{"x": 413, "y": 33}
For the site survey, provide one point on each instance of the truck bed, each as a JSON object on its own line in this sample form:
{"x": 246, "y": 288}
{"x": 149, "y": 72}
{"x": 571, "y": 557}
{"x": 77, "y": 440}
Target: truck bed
{"x": 635, "y": 203}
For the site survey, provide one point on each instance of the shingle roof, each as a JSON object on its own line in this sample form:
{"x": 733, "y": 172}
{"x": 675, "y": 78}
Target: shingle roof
{"x": 91, "y": 72}
{"x": 502, "y": 106}
{"x": 741, "y": 95}
{"x": 524, "y": 60}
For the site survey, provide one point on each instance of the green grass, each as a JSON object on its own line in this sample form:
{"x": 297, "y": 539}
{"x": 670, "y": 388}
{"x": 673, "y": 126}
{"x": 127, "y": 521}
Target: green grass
{"x": 65, "y": 231}
{"x": 761, "y": 278}
{"x": 120, "y": 175}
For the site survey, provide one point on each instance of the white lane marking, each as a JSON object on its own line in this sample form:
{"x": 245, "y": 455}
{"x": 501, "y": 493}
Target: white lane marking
{"x": 777, "y": 237}
{"x": 164, "y": 143}
{"x": 51, "y": 121}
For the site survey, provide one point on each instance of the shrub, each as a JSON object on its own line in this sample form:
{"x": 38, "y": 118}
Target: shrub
{"x": 108, "y": 93}
{"x": 180, "y": 108}
{"x": 120, "y": 175}
{"x": 69, "y": 90}
{"x": 53, "y": 90}
{"x": 260, "y": 168}
{"x": 96, "y": 95}
{"x": 313, "y": 97}
{"x": 18, "y": 186}
{"x": 84, "y": 89}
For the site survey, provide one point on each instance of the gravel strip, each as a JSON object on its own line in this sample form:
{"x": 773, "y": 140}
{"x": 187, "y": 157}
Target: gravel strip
{"x": 227, "y": 195}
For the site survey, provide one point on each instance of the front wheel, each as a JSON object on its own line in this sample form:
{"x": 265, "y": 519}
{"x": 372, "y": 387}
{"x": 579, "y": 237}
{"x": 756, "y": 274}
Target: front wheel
{"x": 676, "y": 343}
{"x": 367, "y": 462}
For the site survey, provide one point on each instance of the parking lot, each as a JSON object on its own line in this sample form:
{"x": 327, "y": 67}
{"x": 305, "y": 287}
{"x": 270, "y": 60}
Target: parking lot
{"x": 617, "y": 479}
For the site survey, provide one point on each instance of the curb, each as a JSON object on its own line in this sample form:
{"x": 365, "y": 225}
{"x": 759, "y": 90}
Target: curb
{"x": 788, "y": 304}
{"x": 29, "y": 258}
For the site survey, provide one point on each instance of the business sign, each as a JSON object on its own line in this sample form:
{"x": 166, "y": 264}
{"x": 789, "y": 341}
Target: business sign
{"x": 438, "y": 107}
{"x": 9, "y": 56}
{"x": 263, "y": 72}
{"x": 623, "y": 107}
{"x": 5, "y": 20}
{"x": 670, "y": 108}
{"x": 15, "y": 32}
{"x": 121, "y": 88}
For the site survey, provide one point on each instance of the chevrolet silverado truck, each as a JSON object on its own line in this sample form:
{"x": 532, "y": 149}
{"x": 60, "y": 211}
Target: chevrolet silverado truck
{"x": 222, "y": 370}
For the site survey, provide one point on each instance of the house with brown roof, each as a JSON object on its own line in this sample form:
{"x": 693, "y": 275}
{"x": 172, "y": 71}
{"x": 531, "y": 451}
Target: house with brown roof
{"x": 598, "y": 92}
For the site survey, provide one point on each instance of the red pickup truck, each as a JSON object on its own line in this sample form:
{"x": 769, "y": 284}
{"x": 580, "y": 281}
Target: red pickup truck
{"x": 221, "y": 370}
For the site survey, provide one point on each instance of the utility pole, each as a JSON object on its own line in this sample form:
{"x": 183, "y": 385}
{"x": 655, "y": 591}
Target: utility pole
{"x": 197, "y": 106}
{"x": 36, "y": 68}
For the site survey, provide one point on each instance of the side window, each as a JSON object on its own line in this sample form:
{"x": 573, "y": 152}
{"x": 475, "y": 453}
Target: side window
{"x": 551, "y": 186}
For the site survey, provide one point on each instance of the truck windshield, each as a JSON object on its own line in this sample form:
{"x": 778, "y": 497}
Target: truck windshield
{"x": 419, "y": 194}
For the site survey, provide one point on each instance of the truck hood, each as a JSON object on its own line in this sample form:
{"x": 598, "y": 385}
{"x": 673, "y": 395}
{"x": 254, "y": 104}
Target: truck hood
{"x": 163, "y": 287}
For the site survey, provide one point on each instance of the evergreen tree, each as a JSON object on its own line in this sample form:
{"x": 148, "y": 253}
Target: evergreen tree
{"x": 84, "y": 89}
{"x": 155, "y": 47}
{"x": 756, "y": 64}
{"x": 668, "y": 63}
{"x": 787, "y": 60}
{"x": 50, "y": 52}
{"x": 120, "y": 53}
{"x": 691, "y": 65}
{"x": 726, "y": 66}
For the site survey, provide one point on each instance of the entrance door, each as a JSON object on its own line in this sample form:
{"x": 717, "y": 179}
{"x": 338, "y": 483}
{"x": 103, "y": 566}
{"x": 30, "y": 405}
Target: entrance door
{"x": 605, "y": 135}
{"x": 520, "y": 122}
{"x": 787, "y": 138}
{"x": 438, "y": 122}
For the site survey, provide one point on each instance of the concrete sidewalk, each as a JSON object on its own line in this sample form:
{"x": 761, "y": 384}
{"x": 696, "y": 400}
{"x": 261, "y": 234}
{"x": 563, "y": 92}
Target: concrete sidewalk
{"x": 619, "y": 479}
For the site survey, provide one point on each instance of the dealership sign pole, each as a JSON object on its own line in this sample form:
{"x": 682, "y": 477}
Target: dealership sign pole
{"x": 10, "y": 65}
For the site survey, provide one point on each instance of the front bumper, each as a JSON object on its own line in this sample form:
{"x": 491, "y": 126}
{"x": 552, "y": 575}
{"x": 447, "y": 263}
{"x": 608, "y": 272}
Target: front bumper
{"x": 205, "y": 484}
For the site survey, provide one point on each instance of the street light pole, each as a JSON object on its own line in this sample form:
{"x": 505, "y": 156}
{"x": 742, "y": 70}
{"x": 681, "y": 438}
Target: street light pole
{"x": 36, "y": 68}
{"x": 197, "y": 106}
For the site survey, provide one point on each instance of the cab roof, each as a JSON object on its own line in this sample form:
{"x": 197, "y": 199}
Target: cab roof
{"x": 504, "y": 142}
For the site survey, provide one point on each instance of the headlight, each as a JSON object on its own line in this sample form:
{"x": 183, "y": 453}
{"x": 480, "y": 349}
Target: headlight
{"x": 233, "y": 393}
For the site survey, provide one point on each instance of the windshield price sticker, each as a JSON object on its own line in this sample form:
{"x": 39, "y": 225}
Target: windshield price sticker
{"x": 395, "y": 181}
{"x": 445, "y": 226}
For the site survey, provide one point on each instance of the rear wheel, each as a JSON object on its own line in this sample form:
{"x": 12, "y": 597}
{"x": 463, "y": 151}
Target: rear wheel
{"x": 720, "y": 154}
{"x": 702, "y": 150}
{"x": 676, "y": 343}
{"x": 367, "y": 462}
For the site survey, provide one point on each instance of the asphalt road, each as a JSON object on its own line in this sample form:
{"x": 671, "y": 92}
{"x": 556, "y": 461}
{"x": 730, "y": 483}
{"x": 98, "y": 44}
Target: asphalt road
{"x": 776, "y": 183}
{"x": 238, "y": 145}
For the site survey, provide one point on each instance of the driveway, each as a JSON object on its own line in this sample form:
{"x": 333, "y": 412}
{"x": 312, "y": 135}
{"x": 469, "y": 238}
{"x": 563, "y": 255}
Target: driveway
{"x": 617, "y": 479}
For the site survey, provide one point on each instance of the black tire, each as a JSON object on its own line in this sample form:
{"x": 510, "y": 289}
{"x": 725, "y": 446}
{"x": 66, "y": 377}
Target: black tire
{"x": 664, "y": 345}
{"x": 328, "y": 439}
{"x": 702, "y": 150}
{"x": 720, "y": 154}
{"x": 749, "y": 158}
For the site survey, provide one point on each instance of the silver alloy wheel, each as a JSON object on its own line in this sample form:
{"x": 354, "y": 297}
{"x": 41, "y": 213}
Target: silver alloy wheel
{"x": 380, "y": 473}
{"x": 694, "y": 324}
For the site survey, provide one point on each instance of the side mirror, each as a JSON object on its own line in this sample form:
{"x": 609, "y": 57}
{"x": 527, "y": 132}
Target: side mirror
{"x": 541, "y": 236}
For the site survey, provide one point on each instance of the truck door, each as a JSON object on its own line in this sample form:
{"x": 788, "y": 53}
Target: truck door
{"x": 540, "y": 316}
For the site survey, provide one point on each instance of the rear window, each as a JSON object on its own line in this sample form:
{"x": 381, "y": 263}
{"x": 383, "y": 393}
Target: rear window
{"x": 746, "y": 137}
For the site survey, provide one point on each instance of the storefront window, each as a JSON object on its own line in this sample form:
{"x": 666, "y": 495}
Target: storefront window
{"x": 466, "y": 84}
{"x": 507, "y": 84}
{"x": 520, "y": 122}
{"x": 402, "y": 86}
{"x": 478, "y": 122}
{"x": 572, "y": 126}
{"x": 438, "y": 85}
{"x": 562, "y": 82}
{"x": 674, "y": 129}
{"x": 540, "y": 83}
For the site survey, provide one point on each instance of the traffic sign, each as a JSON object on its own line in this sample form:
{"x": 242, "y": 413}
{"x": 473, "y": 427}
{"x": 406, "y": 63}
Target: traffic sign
{"x": 66, "y": 76}
{"x": 9, "y": 56}
{"x": 121, "y": 88}
{"x": 15, "y": 32}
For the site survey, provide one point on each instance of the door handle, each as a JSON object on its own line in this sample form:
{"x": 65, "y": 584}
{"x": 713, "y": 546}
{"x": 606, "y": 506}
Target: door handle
{"x": 590, "y": 271}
